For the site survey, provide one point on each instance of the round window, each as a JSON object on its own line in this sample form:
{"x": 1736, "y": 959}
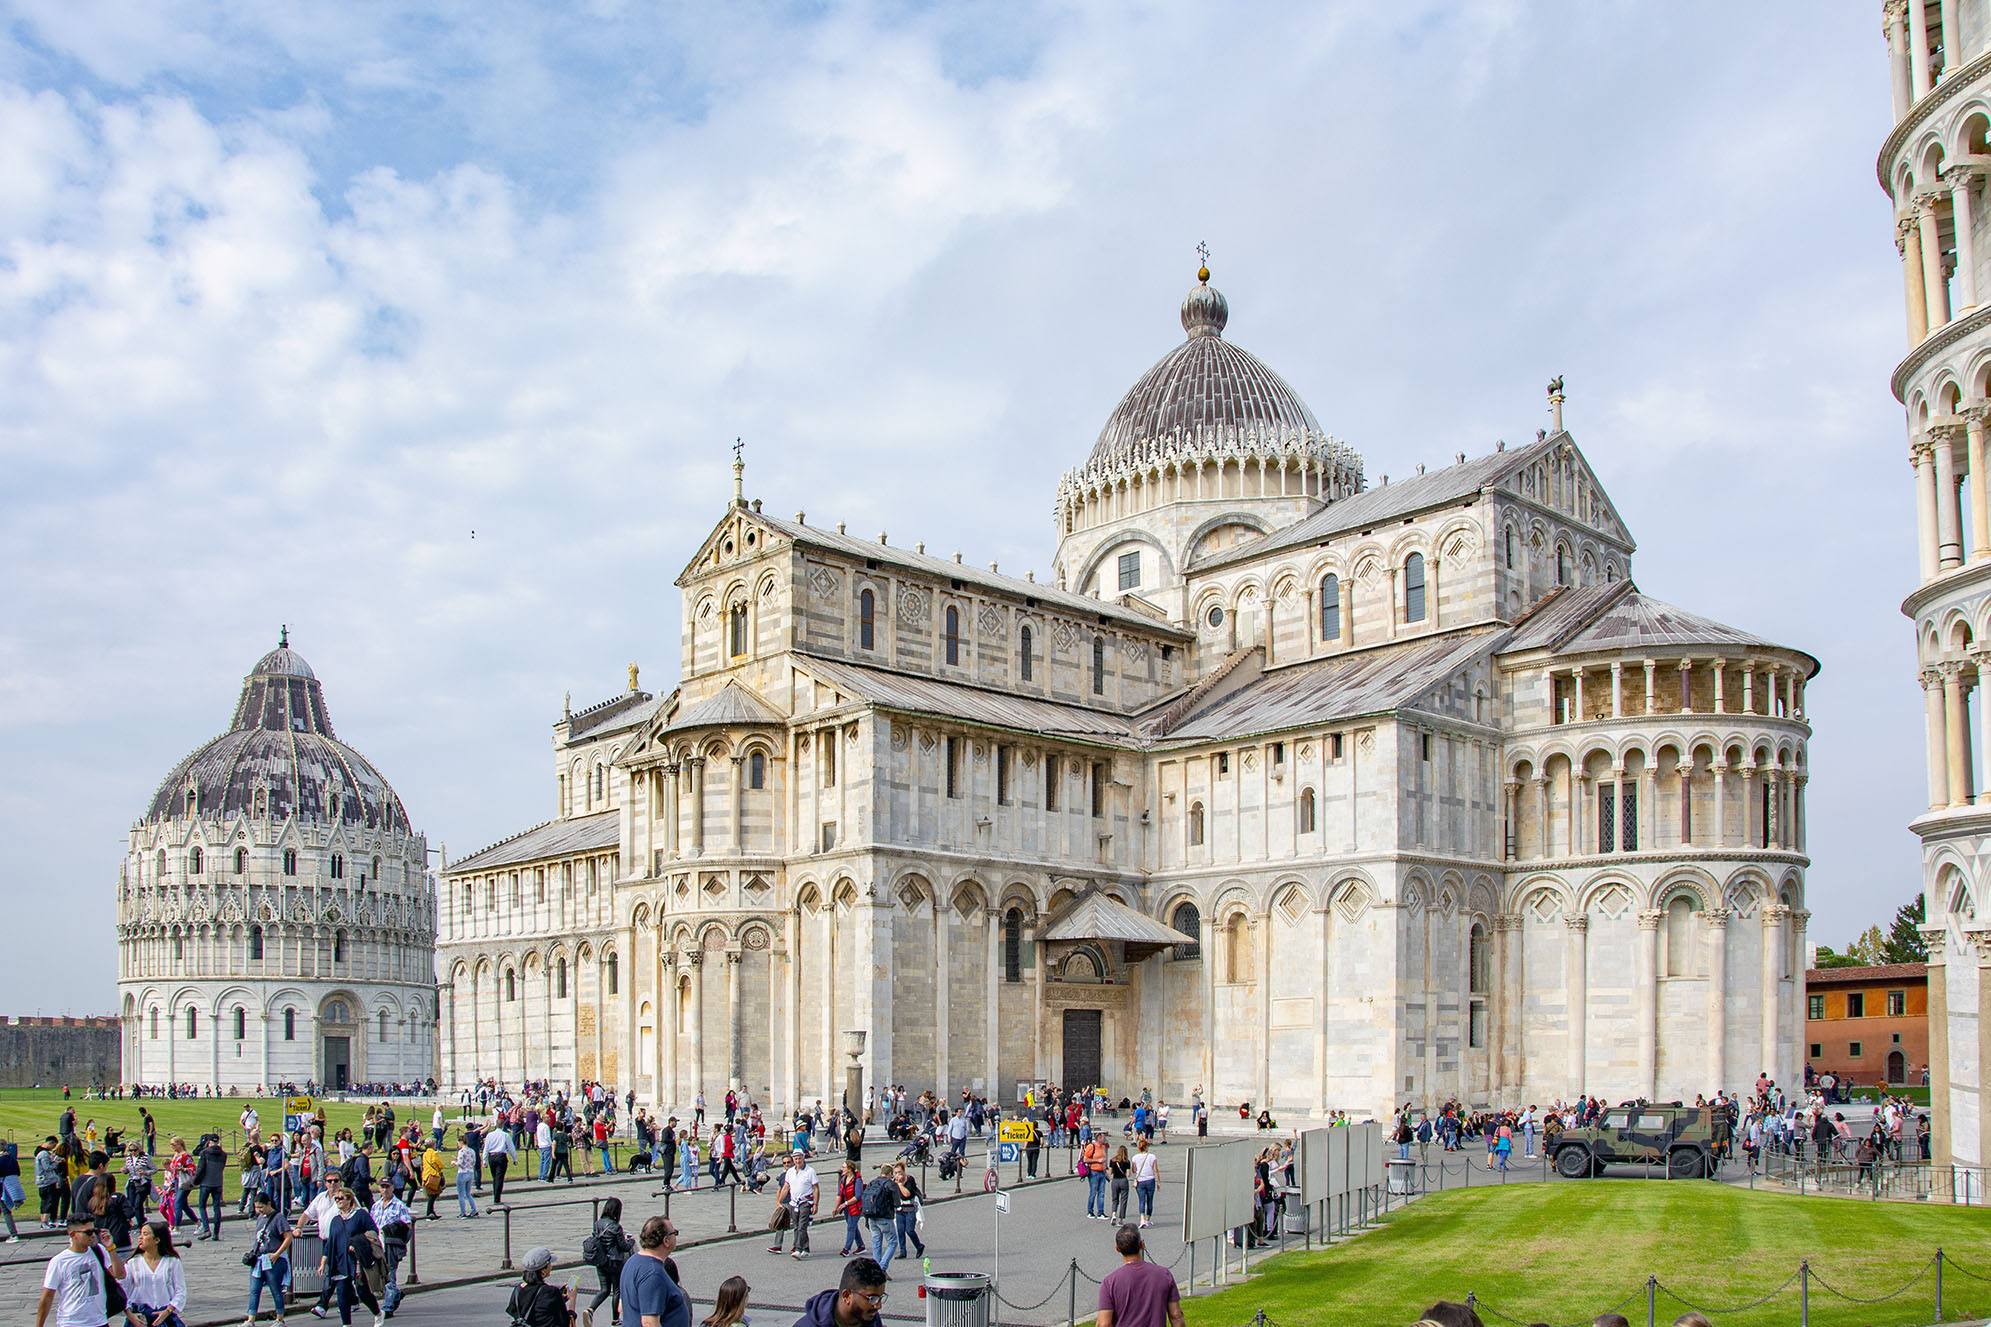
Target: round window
{"x": 729, "y": 545}
{"x": 1217, "y": 615}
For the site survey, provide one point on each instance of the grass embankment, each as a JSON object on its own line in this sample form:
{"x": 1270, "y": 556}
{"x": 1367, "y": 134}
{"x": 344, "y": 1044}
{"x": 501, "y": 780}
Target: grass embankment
{"x": 1563, "y": 1253}
{"x": 27, "y": 1116}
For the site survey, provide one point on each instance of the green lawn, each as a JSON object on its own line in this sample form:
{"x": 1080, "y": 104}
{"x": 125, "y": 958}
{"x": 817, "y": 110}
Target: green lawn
{"x": 1563, "y": 1253}
{"x": 28, "y": 1116}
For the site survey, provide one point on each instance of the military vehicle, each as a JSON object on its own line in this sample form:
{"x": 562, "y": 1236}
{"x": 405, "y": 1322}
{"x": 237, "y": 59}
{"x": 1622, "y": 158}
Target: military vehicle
{"x": 1681, "y": 1140}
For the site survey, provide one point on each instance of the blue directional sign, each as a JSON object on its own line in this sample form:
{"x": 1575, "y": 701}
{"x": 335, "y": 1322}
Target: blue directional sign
{"x": 1008, "y": 1152}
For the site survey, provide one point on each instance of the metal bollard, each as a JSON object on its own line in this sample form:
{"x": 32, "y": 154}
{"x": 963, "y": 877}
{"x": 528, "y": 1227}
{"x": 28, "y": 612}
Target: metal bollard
{"x": 732, "y": 1209}
{"x": 1073, "y": 1275}
{"x": 1651, "y": 1299}
{"x": 597, "y": 1209}
{"x": 1804, "y": 1293}
{"x": 414, "y": 1273}
{"x": 507, "y": 1263}
{"x": 1939, "y": 1283}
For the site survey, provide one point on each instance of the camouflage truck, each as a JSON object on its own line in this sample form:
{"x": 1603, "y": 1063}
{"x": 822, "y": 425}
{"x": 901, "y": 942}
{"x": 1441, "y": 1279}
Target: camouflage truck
{"x": 1681, "y": 1139}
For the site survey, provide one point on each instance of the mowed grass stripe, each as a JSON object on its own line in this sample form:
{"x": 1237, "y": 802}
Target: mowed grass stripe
{"x": 1561, "y": 1253}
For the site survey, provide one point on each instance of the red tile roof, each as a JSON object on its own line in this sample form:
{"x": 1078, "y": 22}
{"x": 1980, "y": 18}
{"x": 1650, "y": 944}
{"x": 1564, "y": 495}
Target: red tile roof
{"x": 1879, "y": 972}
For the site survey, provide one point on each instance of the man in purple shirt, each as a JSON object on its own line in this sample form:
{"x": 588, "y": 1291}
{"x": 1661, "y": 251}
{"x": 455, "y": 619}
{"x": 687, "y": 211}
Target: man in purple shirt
{"x": 1137, "y": 1293}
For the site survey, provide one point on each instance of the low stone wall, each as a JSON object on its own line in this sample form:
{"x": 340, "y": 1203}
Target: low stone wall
{"x": 53, "y": 1052}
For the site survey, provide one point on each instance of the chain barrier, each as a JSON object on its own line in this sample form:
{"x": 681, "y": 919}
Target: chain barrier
{"x": 1032, "y": 1308}
{"x": 1950, "y": 1264}
{"x": 1829, "y": 1289}
{"x": 1479, "y": 1305}
{"x": 1662, "y": 1288}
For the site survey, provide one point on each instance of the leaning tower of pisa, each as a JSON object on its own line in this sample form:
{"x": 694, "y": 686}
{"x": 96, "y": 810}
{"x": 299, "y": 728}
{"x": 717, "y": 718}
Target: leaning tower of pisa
{"x": 1934, "y": 165}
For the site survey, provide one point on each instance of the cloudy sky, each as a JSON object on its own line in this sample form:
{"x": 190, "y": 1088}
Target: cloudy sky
{"x": 293, "y": 299}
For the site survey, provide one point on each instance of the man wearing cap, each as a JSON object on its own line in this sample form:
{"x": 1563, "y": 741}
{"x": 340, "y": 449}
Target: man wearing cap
{"x": 799, "y": 1185}
{"x": 535, "y": 1303}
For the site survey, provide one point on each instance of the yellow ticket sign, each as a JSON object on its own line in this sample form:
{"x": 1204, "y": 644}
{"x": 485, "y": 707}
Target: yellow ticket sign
{"x": 1014, "y": 1131}
{"x": 298, "y": 1105}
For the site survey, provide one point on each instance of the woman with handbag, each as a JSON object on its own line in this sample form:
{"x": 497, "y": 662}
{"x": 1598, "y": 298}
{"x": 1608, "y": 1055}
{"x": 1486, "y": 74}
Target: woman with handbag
{"x": 850, "y": 1205}
{"x": 268, "y": 1258}
{"x": 155, "y": 1281}
{"x": 910, "y": 1199}
{"x": 612, "y": 1248}
{"x": 352, "y": 1262}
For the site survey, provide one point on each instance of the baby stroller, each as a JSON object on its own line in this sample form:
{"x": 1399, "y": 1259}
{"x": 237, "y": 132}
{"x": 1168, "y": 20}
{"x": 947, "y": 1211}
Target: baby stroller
{"x": 918, "y": 1152}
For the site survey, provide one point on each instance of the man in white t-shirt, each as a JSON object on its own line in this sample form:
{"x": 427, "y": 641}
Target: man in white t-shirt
{"x": 73, "y": 1282}
{"x": 252, "y": 1123}
{"x": 542, "y": 1137}
{"x": 435, "y": 1124}
{"x": 799, "y": 1180}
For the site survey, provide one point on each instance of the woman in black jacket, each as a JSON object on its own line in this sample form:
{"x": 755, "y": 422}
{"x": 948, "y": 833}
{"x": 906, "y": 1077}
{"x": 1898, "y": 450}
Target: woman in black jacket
{"x": 348, "y": 1254}
{"x": 612, "y": 1249}
{"x": 534, "y": 1303}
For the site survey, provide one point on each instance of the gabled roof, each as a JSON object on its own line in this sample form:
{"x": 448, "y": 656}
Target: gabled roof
{"x": 1455, "y": 483}
{"x": 1100, "y": 916}
{"x": 924, "y": 695}
{"x": 1344, "y": 686}
{"x": 1014, "y": 587}
{"x": 731, "y": 706}
{"x": 555, "y": 838}
{"x": 1871, "y": 972}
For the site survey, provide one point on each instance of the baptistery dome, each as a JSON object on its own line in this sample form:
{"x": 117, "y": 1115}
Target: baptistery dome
{"x": 280, "y": 745}
{"x": 1205, "y": 389}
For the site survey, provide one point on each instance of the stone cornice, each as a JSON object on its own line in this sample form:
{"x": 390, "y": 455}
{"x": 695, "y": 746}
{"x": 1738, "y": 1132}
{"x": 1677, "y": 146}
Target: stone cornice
{"x": 1941, "y": 339}
{"x": 1968, "y": 578}
{"x": 1924, "y": 110}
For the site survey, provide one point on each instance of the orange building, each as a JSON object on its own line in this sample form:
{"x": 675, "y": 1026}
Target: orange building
{"x": 1868, "y": 1025}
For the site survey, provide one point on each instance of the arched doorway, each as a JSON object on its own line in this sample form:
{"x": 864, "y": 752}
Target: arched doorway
{"x": 337, "y": 1032}
{"x": 1897, "y": 1067}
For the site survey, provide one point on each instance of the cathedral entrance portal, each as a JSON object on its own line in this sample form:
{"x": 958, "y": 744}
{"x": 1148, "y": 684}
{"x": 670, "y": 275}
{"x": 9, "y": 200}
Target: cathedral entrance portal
{"x": 338, "y": 1062}
{"x": 1081, "y": 1059}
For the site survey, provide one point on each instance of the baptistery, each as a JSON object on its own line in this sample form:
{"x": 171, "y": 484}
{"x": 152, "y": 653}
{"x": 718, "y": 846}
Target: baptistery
{"x": 276, "y": 921}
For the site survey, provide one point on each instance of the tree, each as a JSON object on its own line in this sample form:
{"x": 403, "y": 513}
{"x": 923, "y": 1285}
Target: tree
{"x": 1904, "y": 937}
{"x": 1828, "y": 959}
{"x": 1869, "y": 949}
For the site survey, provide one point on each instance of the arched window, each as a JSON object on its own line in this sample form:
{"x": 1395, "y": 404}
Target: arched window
{"x": 155, "y": 1023}
{"x": 290, "y": 1025}
{"x": 736, "y": 619}
{"x": 160, "y": 865}
{"x": 601, "y": 783}
{"x": 383, "y": 1025}
{"x": 338, "y": 946}
{"x": 953, "y": 636}
{"x": 1561, "y": 565}
{"x": 290, "y": 861}
{"x": 1307, "y": 815}
{"x": 1187, "y": 920}
{"x": 560, "y": 978}
{"x": 613, "y": 971}
{"x": 511, "y": 984}
{"x": 1195, "y": 823}
{"x": 376, "y": 868}
{"x": 866, "y": 607}
{"x": 1099, "y": 665}
{"x": 241, "y": 860}
{"x": 1680, "y": 937}
{"x": 1479, "y": 961}
{"x": 1610, "y": 572}
{"x": 1330, "y": 607}
{"x": 255, "y": 942}
{"x": 1510, "y": 548}
{"x": 1413, "y": 588}
{"x": 1012, "y": 945}
{"x": 1023, "y": 653}
{"x": 1237, "y": 950}
{"x": 757, "y": 770}
{"x": 193, "y": 1023}
{"x": 338, "y": 867}
{"x": 241, "y": 1023}
{"x": 194, "y": 861}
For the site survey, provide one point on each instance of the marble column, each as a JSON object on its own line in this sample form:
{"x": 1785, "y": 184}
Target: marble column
{"x": 1956, "y": 734}
{"x": 1721, "y": 804}
{"x": 1577, "y": 982}
{"x": 993, "y": 920}
{"x": 695, "y": 957}
{"x": 1923, "y": 455}
{"x": 1908, "y": 243}
{"x": 697, "y": 808}
{"x": 1208, "y": 943}
{"x": 1949, "y": 533}
{"x": 1717, "y": 923}
{"x": 736, "y": 1070}
{"x": 1263, "y": 1085}
{"x": 1952, "y": 40}
{"x": 1645, "y": 982}
{"x": 1918, "y": 50}
{"x": 1512, "y": 1002}
{"x": 791, "y": 1050}
{"x": 1775, "y": 917}
{"x": 736, "y": 829}
{"x": 1896, "y": 28}
{"x": 1960, "y": 181}
{"x": 1934, "y": 286}
{"x": 1541, "y": 786}
{"x": 668, "y": 1094}
{"x": 1936, "y": 738}
{"x": 943, "y": 996}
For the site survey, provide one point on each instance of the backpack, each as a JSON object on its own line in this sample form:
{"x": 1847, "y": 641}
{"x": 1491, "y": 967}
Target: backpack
{"x": 878, "y": 1203}
{"x": 591, "y": 1250}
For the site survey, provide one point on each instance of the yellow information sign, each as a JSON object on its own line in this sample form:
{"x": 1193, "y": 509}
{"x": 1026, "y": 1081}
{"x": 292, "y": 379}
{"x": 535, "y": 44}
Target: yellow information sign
{"x": 298, "y": 1105}
{"x": 1015, "y": 1131}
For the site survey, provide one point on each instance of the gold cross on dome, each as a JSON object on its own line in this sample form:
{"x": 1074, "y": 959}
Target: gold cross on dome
{"x": 1203, "y": 253}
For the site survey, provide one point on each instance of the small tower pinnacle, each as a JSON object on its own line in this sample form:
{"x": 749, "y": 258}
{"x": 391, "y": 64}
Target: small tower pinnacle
{"x": 1555, "y": 404}
{"x": 739, "y": 473}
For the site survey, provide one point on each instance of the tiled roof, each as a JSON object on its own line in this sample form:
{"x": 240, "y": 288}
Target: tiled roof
{"x": 1369, "y": 681}
{"x": 1014, "y": 587}
{"x": 1876, "y": 972}
{"x": 972, "y": 704}
{"x": 618, "y": 712}
{"x": 1100, "y": 916}
{"x": 1560, "y": 614}
{"x": 1389, "y": 502}
{"x": 555, "y": 838}
{"x": 1638, "y": 621}
{"x": 731, "y": 705}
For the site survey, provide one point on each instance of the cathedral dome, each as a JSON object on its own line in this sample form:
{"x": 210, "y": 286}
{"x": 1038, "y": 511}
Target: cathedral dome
{"x": 1205, "y": 389}
{"x": 280, "y": 745}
